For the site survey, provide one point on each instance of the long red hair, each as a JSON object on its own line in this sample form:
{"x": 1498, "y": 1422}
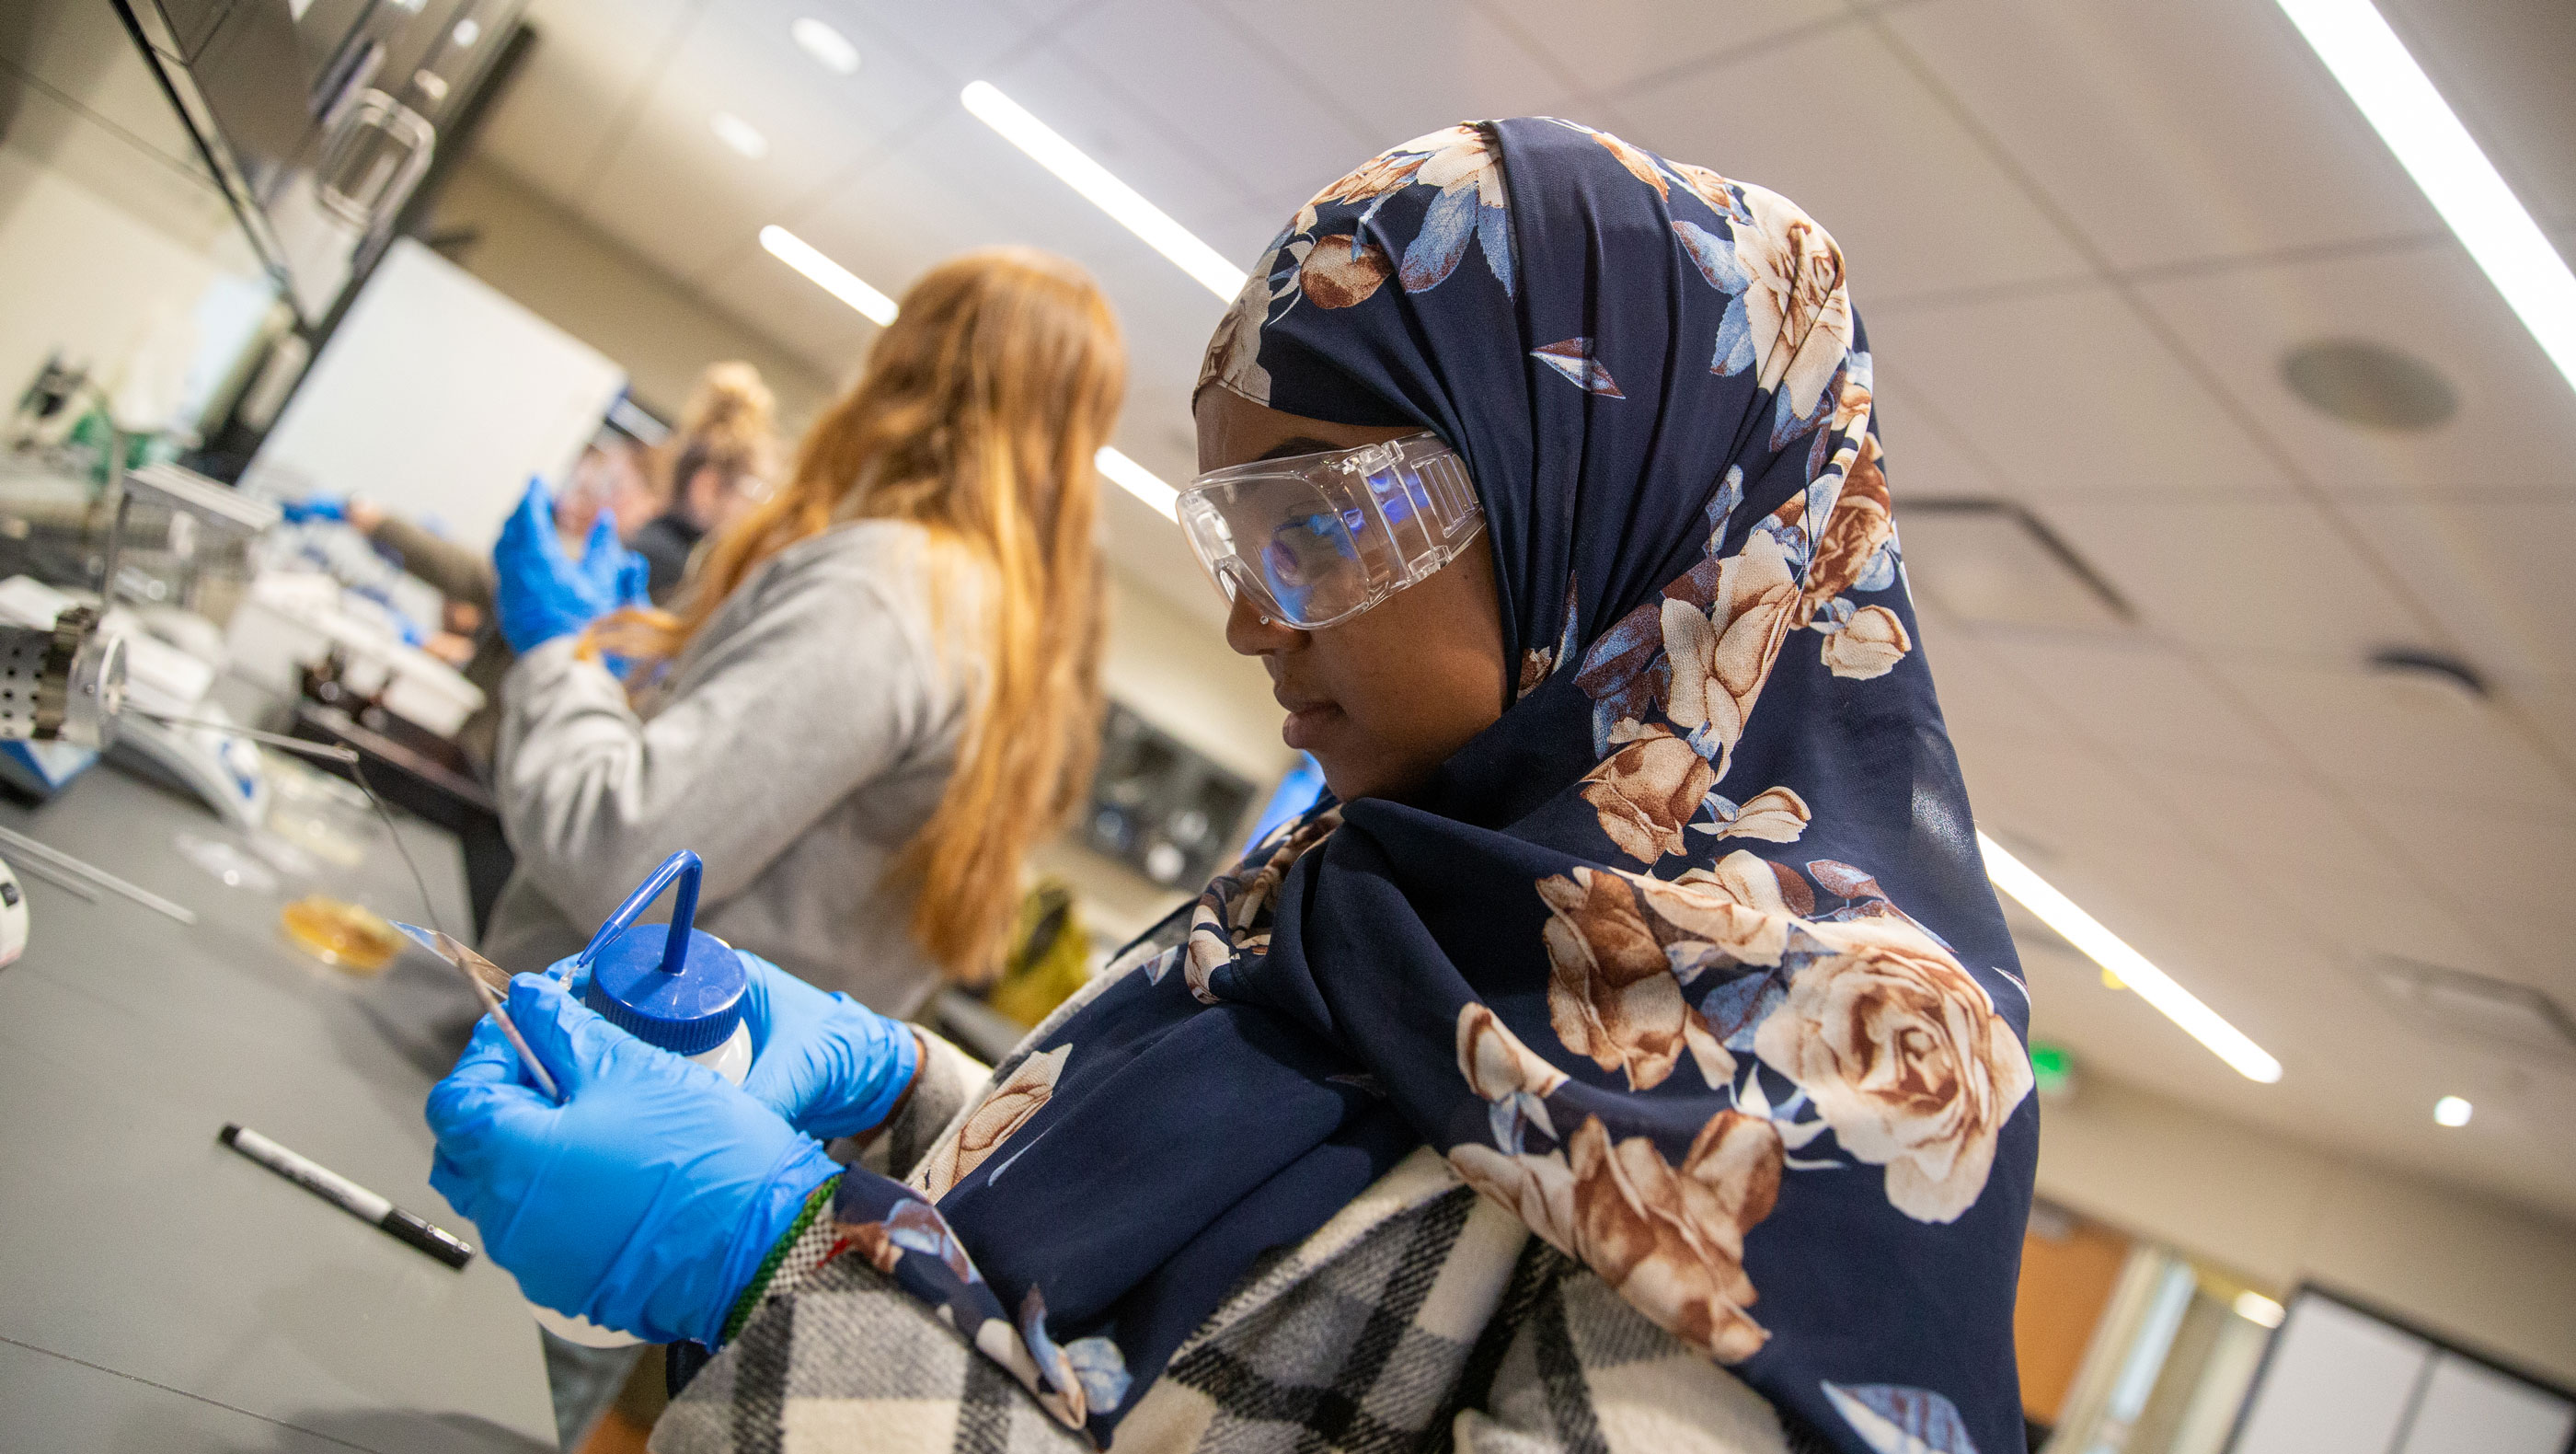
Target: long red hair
{"x": 977, "y": 418}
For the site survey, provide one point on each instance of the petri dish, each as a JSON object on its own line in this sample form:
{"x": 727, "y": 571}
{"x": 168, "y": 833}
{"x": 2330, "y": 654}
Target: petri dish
{"x": 340, "y": 934}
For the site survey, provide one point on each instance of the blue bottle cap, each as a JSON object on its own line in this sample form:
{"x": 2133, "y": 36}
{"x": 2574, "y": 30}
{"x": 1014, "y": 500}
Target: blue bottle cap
{"x": 687, "y": 1012}
{"x": 671, "y": 985}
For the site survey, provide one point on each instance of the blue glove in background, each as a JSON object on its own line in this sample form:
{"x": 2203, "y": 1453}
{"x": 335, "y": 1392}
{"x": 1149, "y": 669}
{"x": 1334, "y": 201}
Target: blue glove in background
{"x": 646, "y": 1200}
{"x": 830, "y": 1065}
{"x": 314, "y": 507}
{"x": 541, "y": 592}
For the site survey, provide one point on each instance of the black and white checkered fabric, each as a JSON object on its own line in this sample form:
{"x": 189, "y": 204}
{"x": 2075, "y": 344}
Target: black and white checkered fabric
{"x": 1422, "y": 1318}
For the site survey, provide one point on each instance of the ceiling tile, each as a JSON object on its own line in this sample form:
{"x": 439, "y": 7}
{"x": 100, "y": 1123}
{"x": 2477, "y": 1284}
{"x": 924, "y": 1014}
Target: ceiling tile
{"x": 2381, "y": 735}
{"x": 2136, "y": 119}
{"x": 1925, "y": 456}
{"x": 950, "y": 42}
{"x": 1607, "y": 44}
{"x": 1916, "y": 204}
{"x": 2072, "y": 396}
{"x": 2311, "y": 853}
{"x": 2260, "y": 577}
{"x": 774, "y": 299}
{"x": 1169, "y": 166}
{"x": 1983, "y": 699}
{"x": 2489, "y": 567}
{"x": 2504, "y": 65}
{"x": 591, "y": 59}
{"x": 2140, "y": 699}
{"x": 1207, "y": 87}
{"x": 2507, "y": 871}
{"x": 1447, "y": 62}
{"x": 2516, "y": 420}
{"x": 689, "y": 201}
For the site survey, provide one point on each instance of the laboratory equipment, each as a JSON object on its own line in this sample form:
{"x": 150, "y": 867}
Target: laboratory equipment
{"x": 670, "y": 985}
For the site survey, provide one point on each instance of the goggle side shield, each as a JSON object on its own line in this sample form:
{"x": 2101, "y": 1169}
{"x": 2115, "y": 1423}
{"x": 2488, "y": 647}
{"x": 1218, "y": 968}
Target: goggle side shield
{"x": 1316, "y": 539}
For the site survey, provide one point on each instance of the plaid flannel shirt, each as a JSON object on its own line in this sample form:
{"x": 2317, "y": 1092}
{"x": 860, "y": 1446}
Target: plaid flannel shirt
{"x": 1422, "y": 1317}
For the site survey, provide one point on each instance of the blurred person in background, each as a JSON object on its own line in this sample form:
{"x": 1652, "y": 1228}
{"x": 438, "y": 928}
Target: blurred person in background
{"x": 609, "y": 494}
{"x": 1625, "y": 1056}
{"x": 879, "y": 687}
{"x": 721, "y": 461}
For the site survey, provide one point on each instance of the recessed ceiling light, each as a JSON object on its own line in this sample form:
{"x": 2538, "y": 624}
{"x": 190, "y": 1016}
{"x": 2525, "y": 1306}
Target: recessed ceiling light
{"x": 2369, "y": 384}
{"x": 2452, "y": 1111}
{"x": 2253, "y": 1307}
{"x": 826, "y": 274}
{"x": 2402, "y": 105}
{"x": 831, "y": 49}
{"x": 467, "y": 31}
{"x": 1104, "y": 190}
{"x": 739, "y": 134}
{"x": 1139, "y": 481}
{"x": 2108, "y": 950}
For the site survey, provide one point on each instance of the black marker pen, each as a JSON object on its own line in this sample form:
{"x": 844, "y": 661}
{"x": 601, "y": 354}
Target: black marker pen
{"x": 350, "y": 1197}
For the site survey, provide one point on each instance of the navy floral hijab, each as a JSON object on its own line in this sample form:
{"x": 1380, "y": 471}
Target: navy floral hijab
{"x": 1689, "y": 959}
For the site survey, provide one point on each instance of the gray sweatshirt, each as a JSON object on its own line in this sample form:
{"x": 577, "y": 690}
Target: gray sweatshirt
{"x": 800, "y": 741}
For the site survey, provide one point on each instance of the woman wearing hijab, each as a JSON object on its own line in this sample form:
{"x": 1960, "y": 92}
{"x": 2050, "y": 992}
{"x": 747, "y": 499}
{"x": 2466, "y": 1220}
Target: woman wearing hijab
{"x": 1626, "y": 1055}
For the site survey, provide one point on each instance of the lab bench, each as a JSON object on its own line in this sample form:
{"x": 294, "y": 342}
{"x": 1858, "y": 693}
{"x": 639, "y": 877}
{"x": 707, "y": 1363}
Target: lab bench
{"x": 160, "y": 1292}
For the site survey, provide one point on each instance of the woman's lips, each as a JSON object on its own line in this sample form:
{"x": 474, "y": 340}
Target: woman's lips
{"x": 1306, "y": 725}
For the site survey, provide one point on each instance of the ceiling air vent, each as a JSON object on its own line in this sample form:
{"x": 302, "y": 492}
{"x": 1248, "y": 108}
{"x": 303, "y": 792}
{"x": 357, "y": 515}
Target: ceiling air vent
{"x": 1990, "y": 561}
{"x": 2492, "y": 1012}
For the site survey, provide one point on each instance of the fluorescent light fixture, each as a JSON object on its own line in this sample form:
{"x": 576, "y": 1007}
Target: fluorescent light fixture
{"x": 828, "y": 275}
{"x": 1138, "y": 481}
{"x": 739, "y": 134}
{"x": 830, "y": 49}
{"x": 1110, "y": 195}
{"x": 2400, "y": 103}
{"x": 2452, "y": 1111}
{"x": 2130, "y": 967}
{"x": 2253, "y": 1307}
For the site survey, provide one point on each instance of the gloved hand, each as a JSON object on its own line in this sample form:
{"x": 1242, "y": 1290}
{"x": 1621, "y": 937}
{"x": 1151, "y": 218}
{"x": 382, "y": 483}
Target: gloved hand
{"x": 541, "y": 593}
{"x": 830, "y": 1065}
{"x": 313, "y": 507}
{"x": 646, "y": 1200}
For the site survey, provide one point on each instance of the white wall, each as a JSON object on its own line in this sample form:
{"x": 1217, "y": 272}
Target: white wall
{"x": 575, "y": 277}
{"x": 2499, "y": 1279}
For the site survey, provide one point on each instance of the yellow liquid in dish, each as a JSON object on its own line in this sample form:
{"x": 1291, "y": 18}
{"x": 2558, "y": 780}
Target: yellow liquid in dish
{"x": 339, "y": 934}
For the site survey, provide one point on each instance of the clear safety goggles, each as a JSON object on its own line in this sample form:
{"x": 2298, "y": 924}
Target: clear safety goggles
{"x": 1315, "y": 539}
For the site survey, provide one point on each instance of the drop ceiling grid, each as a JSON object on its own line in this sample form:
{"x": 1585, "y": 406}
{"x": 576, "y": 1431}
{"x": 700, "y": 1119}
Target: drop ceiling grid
{"x": 2264, "y": 919}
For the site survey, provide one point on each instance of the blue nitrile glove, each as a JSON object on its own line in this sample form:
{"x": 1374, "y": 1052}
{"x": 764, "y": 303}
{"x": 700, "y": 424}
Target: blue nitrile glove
{"x": 830, "y": 1065}
{"x": 542, "y": 593}
{"x": 314, "y": 507}
{"x": 646, "y": 1200}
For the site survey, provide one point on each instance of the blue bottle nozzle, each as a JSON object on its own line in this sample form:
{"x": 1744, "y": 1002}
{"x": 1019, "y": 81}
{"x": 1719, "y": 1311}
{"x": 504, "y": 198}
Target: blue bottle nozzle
{"x": 682, "y": 992}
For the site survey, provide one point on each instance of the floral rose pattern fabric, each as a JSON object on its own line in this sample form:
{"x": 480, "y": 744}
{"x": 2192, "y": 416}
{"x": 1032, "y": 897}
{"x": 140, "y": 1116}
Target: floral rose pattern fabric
{"x": 1689, "y": 959}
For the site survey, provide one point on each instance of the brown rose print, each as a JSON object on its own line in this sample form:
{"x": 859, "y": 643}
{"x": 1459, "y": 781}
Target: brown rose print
{"x": 1855, "y": 530}
{"x": 1800, "y": 314}
{"x": 1774, "y": 815}
{"x": 1612, "y": 995}
{"x": 1647, "y": 791}
{"x": 1904, "y": 1056}
{"x": 1339, "y": 273}
{"x": 1004, "y": 1109}
{"x": 1494, "y": 1062}
{"x": 1669, "y": 1239}
{"x": 1869, "y": 646}
{"x": 1720, "y": 659}
{"x": 1221, "y": 928}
